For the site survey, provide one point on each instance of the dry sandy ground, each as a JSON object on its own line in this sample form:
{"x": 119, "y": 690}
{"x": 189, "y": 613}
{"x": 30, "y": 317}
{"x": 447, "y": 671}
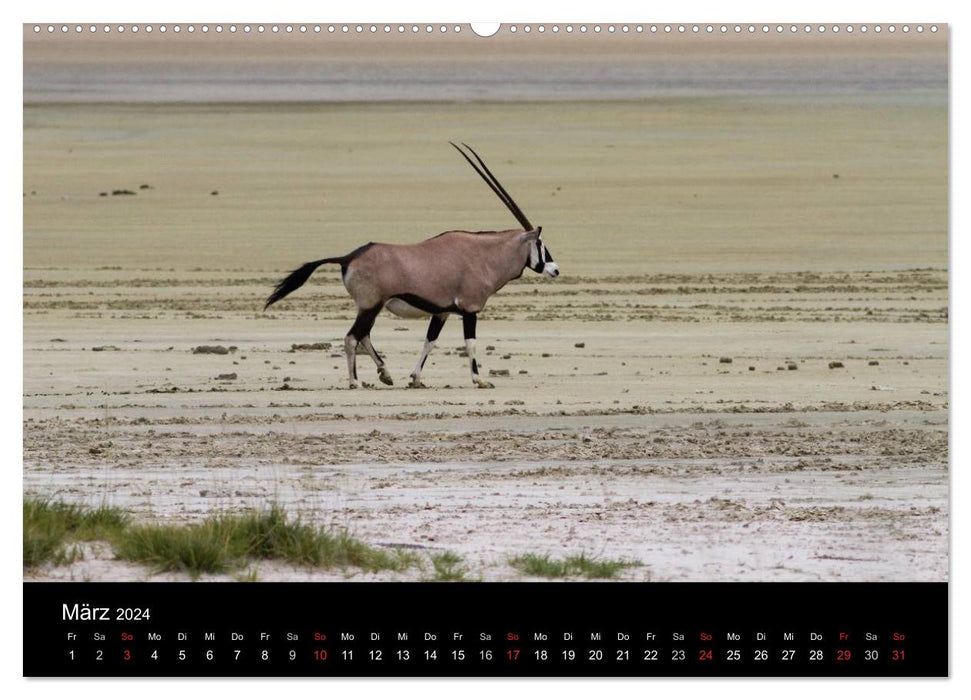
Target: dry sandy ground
{"x": 687, "y": 231}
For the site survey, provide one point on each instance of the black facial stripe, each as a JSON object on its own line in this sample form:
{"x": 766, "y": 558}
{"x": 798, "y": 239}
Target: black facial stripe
{"x": 539, "y": 256}
{"x": 549, "y": 258}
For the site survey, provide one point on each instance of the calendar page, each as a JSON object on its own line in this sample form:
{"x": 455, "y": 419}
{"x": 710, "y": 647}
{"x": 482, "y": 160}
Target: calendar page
{"x": 546, "y": 349}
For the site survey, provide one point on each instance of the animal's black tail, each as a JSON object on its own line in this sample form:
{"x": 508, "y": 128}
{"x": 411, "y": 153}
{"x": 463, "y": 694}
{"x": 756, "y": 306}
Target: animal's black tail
{"x": 296, "y": 279}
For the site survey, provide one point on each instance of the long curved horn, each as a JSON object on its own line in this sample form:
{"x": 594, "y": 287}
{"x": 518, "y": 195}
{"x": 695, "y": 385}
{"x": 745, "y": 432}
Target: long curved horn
{"x": 495, "y": 185}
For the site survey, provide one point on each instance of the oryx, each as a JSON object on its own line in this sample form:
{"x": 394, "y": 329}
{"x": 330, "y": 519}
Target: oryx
{"x": 453, "y": 272}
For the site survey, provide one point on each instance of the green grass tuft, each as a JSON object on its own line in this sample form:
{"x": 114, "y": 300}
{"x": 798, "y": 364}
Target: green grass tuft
{"x": 193, "y": 548}
{"x": 52, "y": 529}
{"x": 217, "y": 544}
{"x": 227, "y": 541}
{"x": 447, "y": 566}
{"x": 581, "y": 565}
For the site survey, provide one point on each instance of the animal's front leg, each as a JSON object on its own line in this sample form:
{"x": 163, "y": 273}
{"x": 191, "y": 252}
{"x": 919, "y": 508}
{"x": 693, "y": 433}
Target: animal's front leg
{"x": 434, "y": 328}
{"x": 468, "y": 326}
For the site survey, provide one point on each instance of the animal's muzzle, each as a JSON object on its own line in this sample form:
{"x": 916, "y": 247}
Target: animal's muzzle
{"x": 551, "y": 270}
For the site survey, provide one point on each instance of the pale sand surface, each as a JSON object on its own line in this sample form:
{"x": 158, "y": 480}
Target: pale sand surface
{"x": 686, "y": 229}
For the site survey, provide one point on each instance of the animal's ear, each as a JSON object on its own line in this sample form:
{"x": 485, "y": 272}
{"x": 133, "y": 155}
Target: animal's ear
{"x": 529, "y": 236}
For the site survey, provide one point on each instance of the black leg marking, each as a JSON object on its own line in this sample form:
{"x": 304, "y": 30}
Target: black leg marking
{"x": 475, "y": 366}
{"x": 435, "y": 327}
{"x": 364, "y": 322}
{"x": 468, "y": 325}
{"x": 378, "y": 360}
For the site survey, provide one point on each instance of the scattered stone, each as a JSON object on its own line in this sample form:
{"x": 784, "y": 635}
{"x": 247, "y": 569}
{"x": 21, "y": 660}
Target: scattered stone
{"x": 835, "y": 365}
{"x": 792, "y": 365}
{"x": 102, "y": 348}
{"x": 145, "y": 187}
{"x": 507, "y": 357}
{"x": 579, "y": 345}
{"x": 873, "y": 363}
{"x": 490, "y": 347}
{"x": 522, "y": 371}
{"x": 498, "y": 372}
{"x": 226, "y": 377}
{"x": 214, "y": 193}
{"x": 725, "y": 360}
{"x": 102, "y": 194}
{"x": 117, "y": 192}
{"x": 546, "y": 354}
{"x": 514, "y": 402}
{"x": 780, "y": 369}
{"x": 751, "y": 369}
{"x": 57, "y": 340}
{"x": 295, "y": 347}
{"x": 210, "y": 350}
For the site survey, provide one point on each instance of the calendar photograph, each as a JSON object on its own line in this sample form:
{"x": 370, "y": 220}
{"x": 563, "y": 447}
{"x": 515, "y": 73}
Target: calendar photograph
{"x": 605, "y": 303}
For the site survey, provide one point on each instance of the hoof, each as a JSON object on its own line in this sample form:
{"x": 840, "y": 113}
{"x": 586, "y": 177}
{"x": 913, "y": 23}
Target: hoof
{"x": 385, "y": 377}
{"x": 416, "y": 384}
{"x": 483, "y": 384}
{"x": 354, "y": 385}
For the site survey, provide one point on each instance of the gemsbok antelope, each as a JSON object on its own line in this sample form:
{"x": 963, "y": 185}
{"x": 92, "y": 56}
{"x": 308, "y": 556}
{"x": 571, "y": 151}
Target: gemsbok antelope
{"x": 453, "y": 272}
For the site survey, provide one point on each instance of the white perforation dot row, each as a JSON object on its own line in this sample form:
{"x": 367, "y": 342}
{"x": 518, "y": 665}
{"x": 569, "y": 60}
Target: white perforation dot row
{"x": 513, "y": 29}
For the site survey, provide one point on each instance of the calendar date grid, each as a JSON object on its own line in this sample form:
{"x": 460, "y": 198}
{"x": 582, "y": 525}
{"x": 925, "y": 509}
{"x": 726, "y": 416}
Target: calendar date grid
{"x": 328, "y": 649}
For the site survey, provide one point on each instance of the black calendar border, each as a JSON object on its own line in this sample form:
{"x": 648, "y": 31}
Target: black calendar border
{"x": 918, "y": 611}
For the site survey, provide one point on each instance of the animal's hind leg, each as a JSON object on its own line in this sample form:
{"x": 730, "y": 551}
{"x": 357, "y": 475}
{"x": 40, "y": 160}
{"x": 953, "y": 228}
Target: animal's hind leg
{"x": 359, "y": 331}
{"x": 468, "y": 326}
{"x": 434, "y": 328}
{"x": 383, "y": 373}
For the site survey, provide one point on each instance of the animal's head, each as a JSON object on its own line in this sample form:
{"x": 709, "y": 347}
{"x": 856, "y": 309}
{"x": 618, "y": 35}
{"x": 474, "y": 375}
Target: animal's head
{"x": 540, "y": 260}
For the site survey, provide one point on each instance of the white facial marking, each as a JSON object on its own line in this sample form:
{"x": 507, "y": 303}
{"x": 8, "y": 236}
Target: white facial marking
{"x": 551, "y": 270}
